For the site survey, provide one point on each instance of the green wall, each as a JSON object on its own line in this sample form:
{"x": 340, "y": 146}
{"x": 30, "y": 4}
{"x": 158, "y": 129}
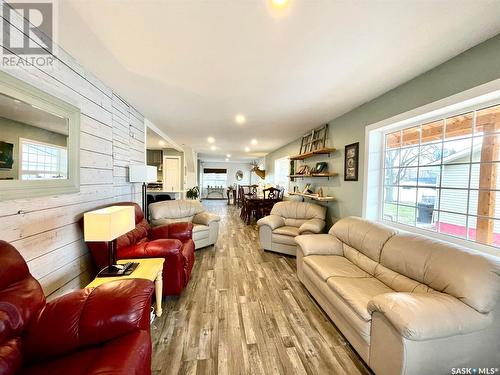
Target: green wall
{"x": 476, "y": 66}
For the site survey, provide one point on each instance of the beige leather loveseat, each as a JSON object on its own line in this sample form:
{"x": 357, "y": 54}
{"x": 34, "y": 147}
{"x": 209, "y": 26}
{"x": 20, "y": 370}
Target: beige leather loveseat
{"x": 205, "y": 224}
{"x": 288, "y": 219}
{"x": 408, "y": 304}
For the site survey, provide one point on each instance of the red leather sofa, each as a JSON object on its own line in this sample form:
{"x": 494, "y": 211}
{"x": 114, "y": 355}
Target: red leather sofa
{"x": 172, "y": 242}
{"x": 90, "y": 331}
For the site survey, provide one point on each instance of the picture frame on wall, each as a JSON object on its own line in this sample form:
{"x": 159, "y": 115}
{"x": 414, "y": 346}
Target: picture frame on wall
{"x": 351, "y": 162}
{"x": 6, "y": 155}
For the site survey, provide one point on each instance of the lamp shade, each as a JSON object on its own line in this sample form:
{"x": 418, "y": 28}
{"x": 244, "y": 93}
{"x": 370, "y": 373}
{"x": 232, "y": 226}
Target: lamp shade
{"x": 142, "y": 173}
{"x": 108, "y": 223}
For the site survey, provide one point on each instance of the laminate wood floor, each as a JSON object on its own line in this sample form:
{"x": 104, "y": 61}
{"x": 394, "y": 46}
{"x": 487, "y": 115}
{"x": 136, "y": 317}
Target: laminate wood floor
{"x": 245, "y": 312}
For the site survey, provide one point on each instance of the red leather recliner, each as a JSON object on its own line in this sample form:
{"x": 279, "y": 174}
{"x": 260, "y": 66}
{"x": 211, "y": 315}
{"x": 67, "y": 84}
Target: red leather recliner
{"x": 172, "y": 242}
{"x": 90, "y": 331}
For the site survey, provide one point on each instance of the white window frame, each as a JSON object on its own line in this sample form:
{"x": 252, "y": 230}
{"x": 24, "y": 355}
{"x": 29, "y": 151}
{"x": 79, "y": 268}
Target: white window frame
{"x": 476, "y": 98}
{"x": 287, "y": 173}
{"x": 34, "y": 142}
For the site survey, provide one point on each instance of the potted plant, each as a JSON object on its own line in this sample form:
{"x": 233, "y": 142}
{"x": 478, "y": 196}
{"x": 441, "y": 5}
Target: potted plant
{"x": 193, "y": 193}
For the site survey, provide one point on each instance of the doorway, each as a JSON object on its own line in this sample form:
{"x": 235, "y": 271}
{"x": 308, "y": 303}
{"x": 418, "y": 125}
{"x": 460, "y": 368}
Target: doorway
{"x": 172, "y": 173}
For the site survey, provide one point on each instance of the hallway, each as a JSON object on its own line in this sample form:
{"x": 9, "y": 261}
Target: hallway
{"x": 245, "y": 312}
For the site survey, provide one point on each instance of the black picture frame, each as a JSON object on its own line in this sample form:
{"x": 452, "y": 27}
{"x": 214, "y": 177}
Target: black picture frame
{"x": 6, "y": 155}
{"x": 351, "y": 162}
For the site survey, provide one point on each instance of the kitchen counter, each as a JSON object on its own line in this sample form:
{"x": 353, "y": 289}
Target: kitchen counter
{"x": 174, "y": 194}
{"x": 162, "y": 191}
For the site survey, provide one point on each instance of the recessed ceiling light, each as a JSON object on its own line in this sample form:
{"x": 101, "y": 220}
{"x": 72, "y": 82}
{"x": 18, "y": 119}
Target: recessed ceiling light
{"x": 279, "y": 3}
{"x": 211, "y": 139}
{"x": 253, "y": 141}
{"x": 228, "y": 155}
{"x": 227, "y": 159}
{"x": 240, "y": 119}
{"x": 213, "y": 148}
{"x": 247, "y": 149}
{"x": 161, "y": 143}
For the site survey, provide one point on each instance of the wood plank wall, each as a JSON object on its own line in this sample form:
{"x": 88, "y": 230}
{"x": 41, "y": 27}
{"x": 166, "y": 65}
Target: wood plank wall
{"x": 112, "y": 137}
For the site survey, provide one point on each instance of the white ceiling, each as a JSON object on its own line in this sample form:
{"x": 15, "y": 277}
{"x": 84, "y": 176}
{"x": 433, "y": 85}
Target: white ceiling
{"x": 190, "y": 65}
{"x": 155, "y": 141}
{"x": 16, "y": 110}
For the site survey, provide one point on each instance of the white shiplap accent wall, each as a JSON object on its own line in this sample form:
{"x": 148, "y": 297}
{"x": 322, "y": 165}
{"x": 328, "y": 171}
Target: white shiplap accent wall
{"x": 112, "y": 136}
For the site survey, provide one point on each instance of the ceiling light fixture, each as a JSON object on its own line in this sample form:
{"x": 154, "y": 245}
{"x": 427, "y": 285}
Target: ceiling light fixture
{"x": 253, "y": 141}
{"x": 213, "y": 148}
{"x": 247, "y": 149}
{"x": 279, "y": 3}
{"x": 228, "y": 155}
{"x": 240, "y": 119}
{"x": 227, "y": 159}
{"x": 161, "y": 143}
{"x": 211, "y": 139}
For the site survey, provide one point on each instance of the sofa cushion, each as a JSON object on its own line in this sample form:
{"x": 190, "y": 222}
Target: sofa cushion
{"x": 175, "y": 211}
{"x": 357, "y": 292}
{"x": 471, "y": 277}
{"x": 357, "y": 324}
{"x": 326, "y": 266}
{"x": 293, "y": 222}
{"x": 298, "y": 212}
{"x": 365, "y": 236}
{"x": 399, "y": 282}
{"x": 287, "y": 231}
{"x": 283, "y": 239}
{"x": 167, "y": 220}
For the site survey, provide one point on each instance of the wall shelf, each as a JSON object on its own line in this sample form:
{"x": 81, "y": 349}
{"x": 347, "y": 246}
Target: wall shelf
{"x": 323, "y": 151}
{"x": 313, "y": 175}
{"x": 314, "y": 197}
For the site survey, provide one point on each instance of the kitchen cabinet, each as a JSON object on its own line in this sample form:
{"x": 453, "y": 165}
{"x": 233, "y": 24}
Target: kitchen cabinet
{"x": 154, "y": 157}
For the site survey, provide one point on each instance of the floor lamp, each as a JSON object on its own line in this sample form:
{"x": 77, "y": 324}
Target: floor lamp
{"x": 106, "y": 225}
{"x": 144, "y": 174}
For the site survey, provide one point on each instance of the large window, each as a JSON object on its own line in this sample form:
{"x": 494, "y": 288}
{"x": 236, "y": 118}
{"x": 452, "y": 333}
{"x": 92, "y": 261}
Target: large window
{"x": 42, "y": 161}
{"x": 214, "y": 177}
{"x": 444, "y": 175}
{"x": 282, "y": 172}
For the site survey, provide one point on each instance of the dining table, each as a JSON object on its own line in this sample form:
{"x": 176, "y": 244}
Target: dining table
{"x": 254, "y": 205}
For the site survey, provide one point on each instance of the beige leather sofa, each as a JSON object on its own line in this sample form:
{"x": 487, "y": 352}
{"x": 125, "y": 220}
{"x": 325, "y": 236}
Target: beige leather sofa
{"x": 407, "y": 303}
{"x": 288, "y": 219}
{"x": 205, "y": 224}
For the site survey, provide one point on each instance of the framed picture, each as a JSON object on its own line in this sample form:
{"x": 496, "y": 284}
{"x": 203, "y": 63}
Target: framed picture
{"x": 321, "y": 167}
{"x": 351, "y": 162}
{"x": 6, "y": 155}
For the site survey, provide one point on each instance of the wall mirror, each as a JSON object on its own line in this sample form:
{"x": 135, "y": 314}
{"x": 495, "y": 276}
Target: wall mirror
{"x": 39, "y": 142}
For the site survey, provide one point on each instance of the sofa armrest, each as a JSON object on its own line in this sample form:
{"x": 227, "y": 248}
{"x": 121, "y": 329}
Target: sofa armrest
{"x": 319, "y": 244}
{"x": 427, "y": 316}
{"x": 158, "y": 232}
{"x": 272, "y": 221}
{"x": 90, "y": 316}
{"x": 162, "y": 248}
{"x": 182, "y": 231}
{"x": 205, "y": 218}
{"x": 312, "y": 226}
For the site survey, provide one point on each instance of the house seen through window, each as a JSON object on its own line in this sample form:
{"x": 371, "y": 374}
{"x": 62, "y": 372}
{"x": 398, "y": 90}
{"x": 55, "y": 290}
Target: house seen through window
{"x": 443, "y": 176}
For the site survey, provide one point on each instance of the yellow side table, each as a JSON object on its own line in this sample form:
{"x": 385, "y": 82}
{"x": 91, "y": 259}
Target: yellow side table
{"x": 148, "y": 268}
